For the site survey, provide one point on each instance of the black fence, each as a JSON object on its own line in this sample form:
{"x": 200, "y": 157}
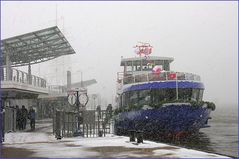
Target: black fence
{"x": 87, "y": 123}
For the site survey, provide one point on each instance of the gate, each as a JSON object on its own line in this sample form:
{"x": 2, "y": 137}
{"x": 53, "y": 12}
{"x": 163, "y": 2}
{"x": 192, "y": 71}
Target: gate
{"x": 87, "y": 123}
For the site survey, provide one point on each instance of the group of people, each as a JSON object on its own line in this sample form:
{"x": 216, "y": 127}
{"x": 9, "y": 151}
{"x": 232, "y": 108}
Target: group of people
{"x": 22, "y": 115}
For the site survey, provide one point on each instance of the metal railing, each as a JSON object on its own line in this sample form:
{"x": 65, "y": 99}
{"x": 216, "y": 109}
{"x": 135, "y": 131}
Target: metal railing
{"x": 163, "y": 76}
{"x": 90, "y": 124}
{"x": 18, "y": 76}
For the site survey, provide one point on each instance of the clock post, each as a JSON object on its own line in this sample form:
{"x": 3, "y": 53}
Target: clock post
{"x": 80, "y": 99}
{"x": 78, "y": 109}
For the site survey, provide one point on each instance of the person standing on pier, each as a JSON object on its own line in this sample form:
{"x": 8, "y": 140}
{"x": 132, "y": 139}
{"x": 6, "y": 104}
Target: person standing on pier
{"x": 18, "y": 118}
{"x": 24, "y": 117}
{"x": 32, "y": 117}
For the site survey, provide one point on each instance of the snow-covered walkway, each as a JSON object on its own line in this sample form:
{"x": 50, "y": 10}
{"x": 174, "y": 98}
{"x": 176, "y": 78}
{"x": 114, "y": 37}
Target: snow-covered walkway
{"x": 43, "y": 144}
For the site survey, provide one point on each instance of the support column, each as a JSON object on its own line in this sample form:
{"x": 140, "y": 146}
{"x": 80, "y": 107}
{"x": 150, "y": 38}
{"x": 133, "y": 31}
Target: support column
{"x": 8, "y": 67}
{"x": 17, "y": 75}
{"x": 29, "y": 74}
{"x": 23, "y": 79}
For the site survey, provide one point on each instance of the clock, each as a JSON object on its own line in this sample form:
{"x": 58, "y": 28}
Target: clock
{"x": 71, "y": 99}
{"x": 83, "y": 99}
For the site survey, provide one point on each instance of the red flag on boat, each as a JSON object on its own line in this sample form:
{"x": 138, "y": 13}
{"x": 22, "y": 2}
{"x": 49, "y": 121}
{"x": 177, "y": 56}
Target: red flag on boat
{"x": 172, "y": 75}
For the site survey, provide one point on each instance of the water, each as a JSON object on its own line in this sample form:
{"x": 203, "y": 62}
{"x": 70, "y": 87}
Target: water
{"x": 221, "y": 137}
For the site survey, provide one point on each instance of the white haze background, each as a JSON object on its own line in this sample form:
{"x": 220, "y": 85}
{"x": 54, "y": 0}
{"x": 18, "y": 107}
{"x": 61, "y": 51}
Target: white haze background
{"x": 202, "y": 37}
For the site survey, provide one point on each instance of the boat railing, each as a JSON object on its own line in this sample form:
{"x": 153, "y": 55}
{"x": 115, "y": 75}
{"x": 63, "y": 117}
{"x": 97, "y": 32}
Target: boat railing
{"x": 163, "y": 76}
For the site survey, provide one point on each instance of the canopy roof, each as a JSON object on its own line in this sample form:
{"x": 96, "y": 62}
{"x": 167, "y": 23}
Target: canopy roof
{"x": 35, "y": 47}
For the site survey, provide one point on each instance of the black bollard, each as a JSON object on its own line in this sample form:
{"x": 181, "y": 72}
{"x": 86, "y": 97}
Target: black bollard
{"x": 139, "y": 137}
{"x": 131, "y": 135}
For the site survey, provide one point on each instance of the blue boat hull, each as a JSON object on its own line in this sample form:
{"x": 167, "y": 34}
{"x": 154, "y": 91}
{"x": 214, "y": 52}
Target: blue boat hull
{"x": 167, "y": 121}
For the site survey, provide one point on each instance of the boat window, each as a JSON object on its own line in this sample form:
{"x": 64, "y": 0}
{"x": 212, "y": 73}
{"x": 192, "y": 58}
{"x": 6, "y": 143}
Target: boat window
{"x": 133, "y": 98}
{"x": 141, "y": 97}
{"x": 195, "y": 94}
{"x": 170, "y": 94}
{"x": 184, "y": 93}
{"x": 156, "y": 96}
{"x": 144, "y": 97}
{"x": 200, "y": 95}
{"x": 129, "y": 68}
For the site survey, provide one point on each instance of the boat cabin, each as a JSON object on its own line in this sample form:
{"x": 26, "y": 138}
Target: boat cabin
{"x": 136, "y": 64}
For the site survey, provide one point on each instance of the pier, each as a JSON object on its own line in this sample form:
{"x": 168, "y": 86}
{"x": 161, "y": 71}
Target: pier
{"x": 42, "y": 143}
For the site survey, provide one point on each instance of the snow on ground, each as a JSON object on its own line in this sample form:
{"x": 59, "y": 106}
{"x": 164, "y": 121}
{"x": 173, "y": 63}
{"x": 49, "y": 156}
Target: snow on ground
{"x": 45, "y": 145}
{"x": 25, "y": 137}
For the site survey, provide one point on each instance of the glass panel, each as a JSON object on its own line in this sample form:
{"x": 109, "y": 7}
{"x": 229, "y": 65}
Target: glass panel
{"x": 195, "y": 95}
{"x": 128, "y": 68}
{"x": 184, "y": 93}
{"x": 200, "y": 95}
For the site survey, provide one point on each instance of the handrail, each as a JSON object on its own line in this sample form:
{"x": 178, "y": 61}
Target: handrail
{"x": 163, "y": 76}
{"x": 19, "y": 76}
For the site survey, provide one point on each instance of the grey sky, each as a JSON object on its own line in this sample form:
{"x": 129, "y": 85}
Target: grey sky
{"x": 201, "y": 36}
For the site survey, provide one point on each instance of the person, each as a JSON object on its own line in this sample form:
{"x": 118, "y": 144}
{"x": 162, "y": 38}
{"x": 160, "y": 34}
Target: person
{"x": 18, "y": 118}
{"x": 24, "y": 117}
{"x": 32, "y": 118}
{"x": 98, "y": 109}
{"x": 109, "y": 111}
{"x": 2, "y": 131}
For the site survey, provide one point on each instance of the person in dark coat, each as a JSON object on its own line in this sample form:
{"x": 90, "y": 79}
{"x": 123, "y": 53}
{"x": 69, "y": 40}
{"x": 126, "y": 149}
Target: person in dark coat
{"x": 109, "y": 111}
{"x": 24, "y": 117}
{"x": 32, "y": 118}
{"x": 18, "y": 117}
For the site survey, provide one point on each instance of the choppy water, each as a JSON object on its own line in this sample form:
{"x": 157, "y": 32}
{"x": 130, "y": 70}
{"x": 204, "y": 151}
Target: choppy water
{"x": 221, "y": 137}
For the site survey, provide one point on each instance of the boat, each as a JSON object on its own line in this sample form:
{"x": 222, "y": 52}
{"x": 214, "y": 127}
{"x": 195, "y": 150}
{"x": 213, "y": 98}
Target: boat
{"x": 155, "y": 100}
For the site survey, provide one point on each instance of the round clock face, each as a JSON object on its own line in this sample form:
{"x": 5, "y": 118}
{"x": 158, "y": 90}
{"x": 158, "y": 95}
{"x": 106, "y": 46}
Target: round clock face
{"x": 83, "y": 98}
{"x": 71, "y": 99}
